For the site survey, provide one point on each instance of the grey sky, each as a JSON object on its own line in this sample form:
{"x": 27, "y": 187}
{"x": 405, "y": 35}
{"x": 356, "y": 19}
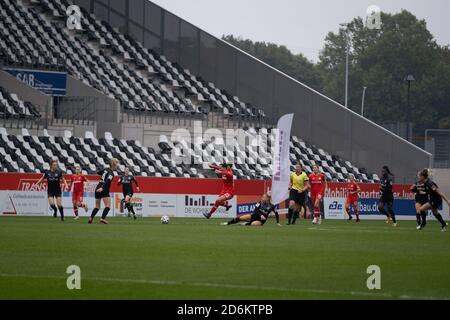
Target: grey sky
{"x": 299, "y": 24}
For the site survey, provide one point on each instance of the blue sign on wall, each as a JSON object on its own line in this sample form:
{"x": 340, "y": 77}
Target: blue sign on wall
{"x": 53, "y": 83}
{"x": 402, "y": 207}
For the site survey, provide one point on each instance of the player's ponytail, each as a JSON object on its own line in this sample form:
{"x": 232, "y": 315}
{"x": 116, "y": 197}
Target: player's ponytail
{"x": 425, "y": 173}
{"x": 113, "y": 163}
{"x": 388, "y": 171}
{"x": 268, "y": 196}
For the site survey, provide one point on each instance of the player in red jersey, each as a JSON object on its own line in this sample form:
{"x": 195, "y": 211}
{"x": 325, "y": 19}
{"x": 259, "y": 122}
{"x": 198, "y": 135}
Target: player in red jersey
{"x": 318, "y": 185}
{"x": 352, "y": 198}
{"x": 227, "y": 193}
{"x": 77, "y": 181}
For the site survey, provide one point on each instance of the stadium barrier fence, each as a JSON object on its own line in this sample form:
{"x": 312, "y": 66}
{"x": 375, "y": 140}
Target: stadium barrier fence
{"x": 179, "y": 197}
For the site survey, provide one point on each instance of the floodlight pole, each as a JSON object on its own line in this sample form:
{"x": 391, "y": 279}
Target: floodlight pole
{"x": 409, "y": 78}
{"x": 363, "y": 100}
{"x": 347, "y": 58}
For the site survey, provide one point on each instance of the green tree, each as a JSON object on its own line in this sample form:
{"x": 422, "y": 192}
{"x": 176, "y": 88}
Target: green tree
{"x": 381, "y": 59}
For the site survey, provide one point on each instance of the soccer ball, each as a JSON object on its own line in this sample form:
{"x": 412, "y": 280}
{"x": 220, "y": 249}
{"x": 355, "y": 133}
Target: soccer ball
{"x": 165, "y": 220}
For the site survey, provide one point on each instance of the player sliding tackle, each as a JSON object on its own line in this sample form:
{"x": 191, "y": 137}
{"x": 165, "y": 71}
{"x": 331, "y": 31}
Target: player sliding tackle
{"x": 227, "y": 192}
{"x": 259, "y": 217}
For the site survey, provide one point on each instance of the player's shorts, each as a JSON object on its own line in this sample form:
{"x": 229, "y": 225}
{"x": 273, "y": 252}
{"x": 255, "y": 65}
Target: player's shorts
{"x": 54, "y": 193}
{"x": 129, "y": 194}
{"x": 387, "y": 199}
{"x": 227, "y": 195}
{"x": 102, "y": 195}
{"x": 263, "y": 221}
{"x": 298, "y": 198}
{"x": 436, "y": 203}
{"x": 352, "y": 201}
{"x": 77, "y": 196}
{"x": 257, "y": 217}
{"x": 316, "y": 195}
{"x": 421, "y": 199}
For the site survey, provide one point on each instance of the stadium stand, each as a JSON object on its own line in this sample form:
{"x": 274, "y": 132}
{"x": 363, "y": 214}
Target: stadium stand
{"x": 33, "y": 33}
{"x": 20, "y": 44}
{"x": 137, "y": 77}
{"x": 26, "y": 153}
{"x": 11, "y": 106}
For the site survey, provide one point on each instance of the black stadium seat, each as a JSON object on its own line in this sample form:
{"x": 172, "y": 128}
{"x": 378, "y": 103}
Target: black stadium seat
{"x": 143, "y": 84}
{"x": 92, "y": 154}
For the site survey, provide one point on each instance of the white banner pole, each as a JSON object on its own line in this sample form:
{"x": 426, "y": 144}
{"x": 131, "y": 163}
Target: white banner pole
{"x": 281, "y": 163}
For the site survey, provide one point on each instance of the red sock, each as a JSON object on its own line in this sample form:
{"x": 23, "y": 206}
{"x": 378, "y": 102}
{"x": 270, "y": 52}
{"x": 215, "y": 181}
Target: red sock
{"x": 224, "y": 204}
{"x": 356, "y": 213}
{"x": 214, "y": 208}
{"x": 316, "y": 212}
{"x": 75, "y": 210}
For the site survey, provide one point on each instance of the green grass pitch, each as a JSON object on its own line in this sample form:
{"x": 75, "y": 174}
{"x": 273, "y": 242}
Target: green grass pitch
{"x": 199, "y": 259}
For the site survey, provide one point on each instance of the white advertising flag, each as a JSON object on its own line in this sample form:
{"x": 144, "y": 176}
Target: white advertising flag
{"x": 281, "y": 163}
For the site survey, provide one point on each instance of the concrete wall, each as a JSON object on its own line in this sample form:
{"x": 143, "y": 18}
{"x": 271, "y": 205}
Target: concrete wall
{"x": 56, "y": 129}
{"x": 77, "y": 88}
{"x": 42, "y": 101}
{"x": 83, "y": 109}
{"x": 442, "y": 178}
{"x": 319, "y": 120}
{"x": 88, "y": 104}
{"x": 85, "y": 103}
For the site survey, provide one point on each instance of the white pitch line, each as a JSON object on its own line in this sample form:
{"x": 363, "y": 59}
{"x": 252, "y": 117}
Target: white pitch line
{"x": 358, "y": 230}
{"x": 230, "y": 286}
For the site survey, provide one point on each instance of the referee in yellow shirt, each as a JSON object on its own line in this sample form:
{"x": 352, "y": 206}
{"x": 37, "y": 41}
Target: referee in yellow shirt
{"x": 298, "y": 187}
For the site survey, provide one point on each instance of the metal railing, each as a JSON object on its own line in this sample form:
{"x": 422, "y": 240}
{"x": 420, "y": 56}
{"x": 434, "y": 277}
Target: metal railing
{"x": 34, "y": 63}
{"x": 19, "y": 122}
{"x": 437, "y": 142}
{"x": 81, "y": 109}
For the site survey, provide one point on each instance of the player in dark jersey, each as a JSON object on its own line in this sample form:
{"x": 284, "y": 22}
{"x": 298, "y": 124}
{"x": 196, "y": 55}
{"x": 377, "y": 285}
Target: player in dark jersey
{"x": 435, "y": 197}
{"x": 227, "y": 192}
{"x": 127, "y": 189}
{"x": 421, "y": 198}
{"x": 307, "y": 208}
{"x": 54, "y": 177}
{"x": 259, "y": 217}
{"x": 387, "y": 196}
{"x": 102, "y": 191}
